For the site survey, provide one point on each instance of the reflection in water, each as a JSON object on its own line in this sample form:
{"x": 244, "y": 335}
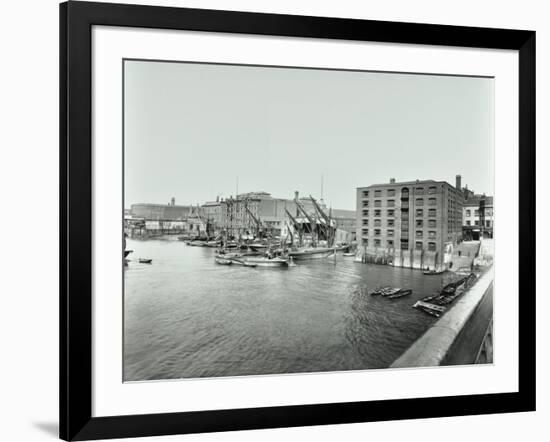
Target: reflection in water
{"x": 187, "y": 317}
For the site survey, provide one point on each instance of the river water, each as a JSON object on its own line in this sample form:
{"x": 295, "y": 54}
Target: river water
{"x": 186, "y": 316}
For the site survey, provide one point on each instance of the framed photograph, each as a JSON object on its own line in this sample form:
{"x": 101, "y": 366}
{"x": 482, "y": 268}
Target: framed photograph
{"x": 273, "y": 220}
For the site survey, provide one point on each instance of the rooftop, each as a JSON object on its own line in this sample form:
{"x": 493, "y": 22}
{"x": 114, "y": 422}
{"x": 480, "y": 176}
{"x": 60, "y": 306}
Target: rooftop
{"x": 474, "y": 201}
{"x": 256, "y": 195}
{"x": 405, "y": 183}
{"x": 342, "y": 213}
{"x": 161, "y": 205}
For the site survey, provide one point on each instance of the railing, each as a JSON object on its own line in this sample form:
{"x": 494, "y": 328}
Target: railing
{"x": 463, "y": 335}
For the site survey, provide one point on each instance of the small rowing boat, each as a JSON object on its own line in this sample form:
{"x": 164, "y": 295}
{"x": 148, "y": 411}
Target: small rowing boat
{"x": 434, "y": 272}
{"x": 224, "y": 261}
{"x": 391, "y": 291}
{"x": 145, "y": 261}
{"x": 401, "y": 293}
{"x": 429, "y": 308}
{"x": 379, "y": 291}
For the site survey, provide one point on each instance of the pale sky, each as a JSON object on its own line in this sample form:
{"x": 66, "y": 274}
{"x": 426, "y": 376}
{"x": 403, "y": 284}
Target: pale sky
{"x": 192, "y": 129}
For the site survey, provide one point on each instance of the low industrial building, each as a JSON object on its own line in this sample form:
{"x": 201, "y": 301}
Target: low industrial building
{"x": 159, "y": 212}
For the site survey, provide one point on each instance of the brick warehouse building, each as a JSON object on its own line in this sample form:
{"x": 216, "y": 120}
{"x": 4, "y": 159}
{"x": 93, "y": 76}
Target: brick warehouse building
{"x": 410, "y": 224}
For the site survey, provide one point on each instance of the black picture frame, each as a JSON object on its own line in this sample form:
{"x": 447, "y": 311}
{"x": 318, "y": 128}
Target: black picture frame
{"x": 76, "y": 21}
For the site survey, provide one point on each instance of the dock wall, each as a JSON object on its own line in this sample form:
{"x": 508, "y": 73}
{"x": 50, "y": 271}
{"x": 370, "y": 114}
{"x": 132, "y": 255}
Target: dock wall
{"x": 461, "y": 335}
{"x": 415, "y": 259}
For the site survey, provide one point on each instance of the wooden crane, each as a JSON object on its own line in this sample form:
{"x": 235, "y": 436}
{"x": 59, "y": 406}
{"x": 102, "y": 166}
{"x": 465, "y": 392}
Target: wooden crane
{"x": 296, "y": 226}
{"x": 312, "y": 222}
{"x": 256, "y": 220}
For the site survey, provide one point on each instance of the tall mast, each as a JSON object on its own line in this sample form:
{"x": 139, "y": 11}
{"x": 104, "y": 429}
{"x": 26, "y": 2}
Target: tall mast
{"x": 327, "y": 219}
{"x": 256, "y": 220}
{"x": 296, "y": 225}
{"x": 312, "y": 223}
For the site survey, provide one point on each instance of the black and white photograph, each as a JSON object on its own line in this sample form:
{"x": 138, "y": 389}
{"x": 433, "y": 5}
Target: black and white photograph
{"x": 242, "y": 221}
{"x": 281, "y": 220}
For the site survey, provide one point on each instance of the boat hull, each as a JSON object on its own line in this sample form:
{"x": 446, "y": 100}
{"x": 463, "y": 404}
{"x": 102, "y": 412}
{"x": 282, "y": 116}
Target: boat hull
{"x": 266, "y": 262}
{"x": 317, "y": 253}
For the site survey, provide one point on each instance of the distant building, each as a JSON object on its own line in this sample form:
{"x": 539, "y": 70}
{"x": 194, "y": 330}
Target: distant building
{"x": 160, "y": 212}
{"x": 241, "y": 214}
{"x": 410, "y": 224}
{"x": 212, "y": 212}
{"x": 346, "y": 220}
{"x": 478, "y": 217}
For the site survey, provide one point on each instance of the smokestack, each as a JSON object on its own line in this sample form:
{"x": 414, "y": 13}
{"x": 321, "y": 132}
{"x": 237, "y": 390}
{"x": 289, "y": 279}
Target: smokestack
{"x": 296, "y": 194}
{"x": 458, "y": 184}
{"x": 173, "y": 201}
{"x": 392, "y": 180}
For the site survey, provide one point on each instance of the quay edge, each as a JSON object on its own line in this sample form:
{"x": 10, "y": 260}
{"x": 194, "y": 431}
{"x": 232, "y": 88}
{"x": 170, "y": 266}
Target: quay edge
{"x": 462, "y": 336}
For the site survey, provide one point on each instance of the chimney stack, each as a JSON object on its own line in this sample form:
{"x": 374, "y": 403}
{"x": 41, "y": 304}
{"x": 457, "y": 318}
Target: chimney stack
{"x": 392, "y": 180}
{"x": 296, "y": 195}
{"x": 458, "y": 184}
